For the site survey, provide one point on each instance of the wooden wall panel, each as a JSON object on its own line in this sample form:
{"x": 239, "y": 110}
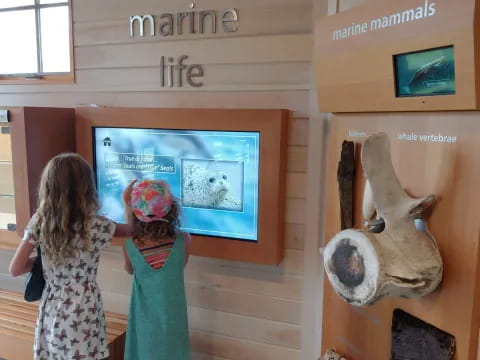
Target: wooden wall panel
{"x": 239, "y": 311}
{"x": 246, "y": 280}
{"x": 250, "y": 328}
{"x": 247, "y": 304}
{"x": 220, "y": 77}
{"x": 93, "y": 10}
{"x": 253, "y": 21}
{"x": 359, "y": 68}
{"x": 293, "y": 100}
{"x": 263, "y": 49}
{"x": 349, "y": 4}
{"x": 297, "y": 131}
{"x": 296, "y": 185}
{"x": 297, "y": 159}
{"x": 295, "y": 236}
{"x": 237, "y": 348}
{"x": 450, "y": 170}
{"x": 202, "y": 356}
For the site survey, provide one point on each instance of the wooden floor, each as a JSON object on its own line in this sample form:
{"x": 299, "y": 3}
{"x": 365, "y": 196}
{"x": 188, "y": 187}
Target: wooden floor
{"x": 17, "y": 326}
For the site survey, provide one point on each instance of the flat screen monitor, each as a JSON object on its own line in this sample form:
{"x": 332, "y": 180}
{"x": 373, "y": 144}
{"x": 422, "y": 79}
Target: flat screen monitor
{"x": 213, "y": 174}
{"x": 425, "y": 73}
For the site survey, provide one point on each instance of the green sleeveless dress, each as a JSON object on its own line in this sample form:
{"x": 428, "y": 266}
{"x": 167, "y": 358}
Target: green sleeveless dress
{"x": 157, "y": 323}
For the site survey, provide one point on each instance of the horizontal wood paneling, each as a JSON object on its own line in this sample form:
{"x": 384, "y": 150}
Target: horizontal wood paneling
{"x": 239, "y": 349}
{"x": 253, "y": 21}
{"x": 245, "y": 280}
{"x": 243, "y": 77}
{"x": 241, "y": 303}
{"x": 238, "y": 311}
{"x": 295, "y": 236}
{"x": 297, "y": 131}
{"x": 200, "y": 356}
{"x": 292, "y": 100}
{"x": 297, "y": 159}
{"x": 295, "y": 212}
{"x": 296, "y": 185}
{"x": 244, "y": 327}
{"x": 292, "y": 264}
{"x": 252, "y": 50}
{"x": 94, "y": 10}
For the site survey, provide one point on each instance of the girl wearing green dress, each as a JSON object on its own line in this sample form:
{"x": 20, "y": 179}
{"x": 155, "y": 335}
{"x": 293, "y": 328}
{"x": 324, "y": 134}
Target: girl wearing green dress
{"x": 156, "y": 255}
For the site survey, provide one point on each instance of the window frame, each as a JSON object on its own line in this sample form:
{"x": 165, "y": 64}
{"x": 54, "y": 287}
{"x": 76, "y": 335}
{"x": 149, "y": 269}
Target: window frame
{"x": 41, "y": 77}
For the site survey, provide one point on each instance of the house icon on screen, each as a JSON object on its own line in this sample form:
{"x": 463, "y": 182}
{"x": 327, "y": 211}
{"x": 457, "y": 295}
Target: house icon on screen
{"x": 107, "y": 142}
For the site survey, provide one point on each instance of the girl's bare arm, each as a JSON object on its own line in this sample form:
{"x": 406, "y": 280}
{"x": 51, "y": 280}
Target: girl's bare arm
{"x": 188, "y": 242}
{"x": 127, "y": 264}
{"x": 22, "y": 262}
{"x": 126, "y": 230}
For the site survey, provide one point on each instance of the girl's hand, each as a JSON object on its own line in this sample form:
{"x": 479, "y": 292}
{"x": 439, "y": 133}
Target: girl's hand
{"x": 127, "y": 193}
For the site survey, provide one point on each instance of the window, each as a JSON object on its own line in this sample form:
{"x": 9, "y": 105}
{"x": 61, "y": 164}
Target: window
{"x": 35, "y": 40}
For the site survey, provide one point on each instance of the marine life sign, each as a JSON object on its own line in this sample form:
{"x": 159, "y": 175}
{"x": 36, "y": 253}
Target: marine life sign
{"x": 174, "y": 72}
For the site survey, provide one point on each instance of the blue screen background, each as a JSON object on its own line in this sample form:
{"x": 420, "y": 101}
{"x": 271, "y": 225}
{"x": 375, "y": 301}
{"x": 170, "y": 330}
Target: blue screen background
{"x": 123, "y": 154}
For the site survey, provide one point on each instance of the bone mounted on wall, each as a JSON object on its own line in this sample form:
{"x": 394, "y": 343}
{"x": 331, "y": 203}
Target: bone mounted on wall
{"x": 332, "y": 355}
{"x": 403, "y": 260}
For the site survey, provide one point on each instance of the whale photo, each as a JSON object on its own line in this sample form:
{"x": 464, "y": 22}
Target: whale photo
{"x": 425, "y": 73}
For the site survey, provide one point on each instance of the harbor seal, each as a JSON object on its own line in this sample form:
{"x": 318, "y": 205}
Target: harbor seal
{"x": 207, "y": 188}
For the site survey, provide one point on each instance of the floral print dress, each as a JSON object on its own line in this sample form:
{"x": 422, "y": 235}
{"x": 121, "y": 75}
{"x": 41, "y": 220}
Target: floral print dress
{"x": 71, "y": 321}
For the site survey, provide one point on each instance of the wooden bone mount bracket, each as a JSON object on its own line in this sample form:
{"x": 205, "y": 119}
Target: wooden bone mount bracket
{"x": 402, "y": 260}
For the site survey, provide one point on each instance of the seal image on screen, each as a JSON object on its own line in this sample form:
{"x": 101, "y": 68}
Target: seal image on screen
{"x": 206, "y": 188}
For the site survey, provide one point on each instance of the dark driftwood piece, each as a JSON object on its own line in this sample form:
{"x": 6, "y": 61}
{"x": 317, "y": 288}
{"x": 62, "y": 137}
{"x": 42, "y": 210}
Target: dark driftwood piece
{"x": 345, "y": 177}
{"x": 414, "y": 339}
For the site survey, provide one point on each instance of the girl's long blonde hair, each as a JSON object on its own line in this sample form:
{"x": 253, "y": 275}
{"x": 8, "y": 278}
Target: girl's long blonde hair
{"x": 67, "y": 200}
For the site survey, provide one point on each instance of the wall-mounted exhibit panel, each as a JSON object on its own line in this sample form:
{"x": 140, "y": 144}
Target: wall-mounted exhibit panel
{"x": 225, "y": 167}
{"x": 413, "y": 55}
{"x": 29, "y": 138}
{"x": 432, "y": 153}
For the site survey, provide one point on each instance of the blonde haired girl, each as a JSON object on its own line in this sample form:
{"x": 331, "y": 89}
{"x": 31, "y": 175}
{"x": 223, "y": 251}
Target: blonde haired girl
{"x": 71, "y": 235}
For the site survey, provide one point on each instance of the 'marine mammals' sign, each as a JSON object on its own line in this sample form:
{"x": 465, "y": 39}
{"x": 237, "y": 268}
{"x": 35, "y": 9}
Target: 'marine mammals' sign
{"x": 428, "y": 9}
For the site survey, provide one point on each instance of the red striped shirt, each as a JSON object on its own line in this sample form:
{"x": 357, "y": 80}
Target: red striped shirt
{"x": 157, "y": 256}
